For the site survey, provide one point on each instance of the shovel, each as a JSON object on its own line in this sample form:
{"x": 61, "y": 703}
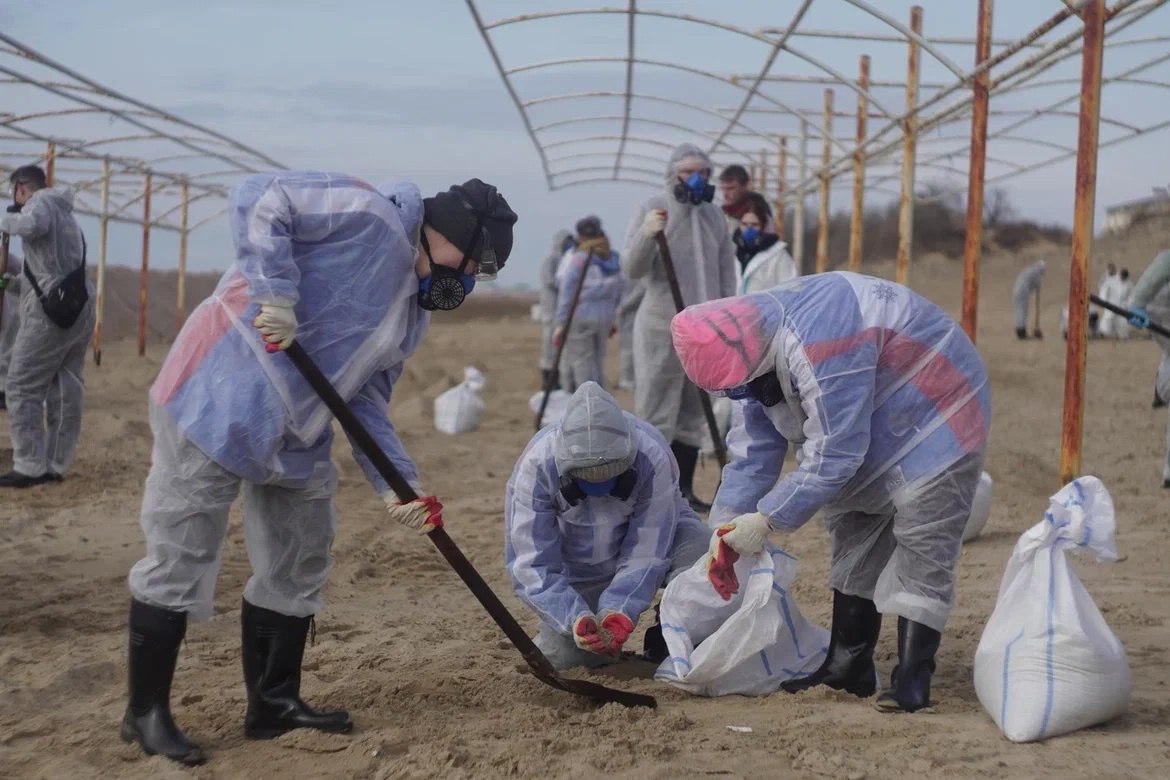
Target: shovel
{"x": 540, "y": 666}
{"x": 1104, "y": 304}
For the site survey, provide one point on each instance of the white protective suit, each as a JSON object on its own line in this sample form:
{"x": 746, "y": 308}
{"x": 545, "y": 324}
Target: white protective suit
{"x": 548, "y": 299}
{"x": 889, "y": 404}
{"x": 1114, "y": 291}
{"x": 583, "y": 358}
{"x": 1027, "y": 283}
{"x": 765, "y": 269}
{"x": 571, "y": 554}
{"x": 9, "y": 318}
{"x": 1152, "y": 294}
{"x": 228, "y": 415}
{"x": 45, "y": 389}
{"x": 627, "y": 313}
{"x": 704, "y": 261}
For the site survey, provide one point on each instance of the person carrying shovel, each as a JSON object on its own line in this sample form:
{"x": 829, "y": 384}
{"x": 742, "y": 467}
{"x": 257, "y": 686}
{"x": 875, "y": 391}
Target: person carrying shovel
{"x": 703, "y": 255}
{"x": 349, "y": 273}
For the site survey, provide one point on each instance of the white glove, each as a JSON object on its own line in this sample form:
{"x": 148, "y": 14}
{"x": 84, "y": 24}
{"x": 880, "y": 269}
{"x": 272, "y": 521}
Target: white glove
{"x": 277, "y": 324}
{"x": 654, "y": 223}
{"x": 423, "y": 514}
{"x": 748, "y": 533}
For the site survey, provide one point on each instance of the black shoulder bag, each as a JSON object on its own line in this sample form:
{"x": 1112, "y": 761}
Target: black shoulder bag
{"x": 65, "y": 302}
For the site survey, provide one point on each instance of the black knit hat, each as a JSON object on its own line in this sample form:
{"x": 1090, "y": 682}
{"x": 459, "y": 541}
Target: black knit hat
{"x": 454, "y": 214}
{"x": 589, "y": 227}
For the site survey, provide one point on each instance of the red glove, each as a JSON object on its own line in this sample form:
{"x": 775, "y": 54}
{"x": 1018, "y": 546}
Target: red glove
{"x": 619, "y": 627}
{"x": 721, "y": 567}
{"x": 589, "y": 637}
{"x": 613, "y": 331}
{"x": 424, "y": 514}
{"x": 558, "y": 337}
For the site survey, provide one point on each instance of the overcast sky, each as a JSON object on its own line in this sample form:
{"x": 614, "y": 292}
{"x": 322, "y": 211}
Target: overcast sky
{"x": 381, "y": 89}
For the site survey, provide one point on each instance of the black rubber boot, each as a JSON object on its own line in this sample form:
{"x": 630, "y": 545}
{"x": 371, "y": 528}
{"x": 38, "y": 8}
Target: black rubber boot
{"x": 653, "y": 644}
{"x": 910, "y": 684}
{"x": 1021, "y": 334}
{"x": 848, "y": 665}
{"x": 1158, "y": 402}
{"x": 155, "y": 636}
{"x": 687, "y": 457}
{"x": 273, "y": 646}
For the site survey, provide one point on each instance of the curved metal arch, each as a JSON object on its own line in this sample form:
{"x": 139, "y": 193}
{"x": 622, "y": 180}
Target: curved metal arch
{"x": 909, "y": 35}
{"x": 999, "y": 137}
{"x": 578, "y": 155}
{"x": 586, "y": 139}
{"x": 644, "y": 120}
{"x": 605, "y": 179}
{"x": 672, "y": 66}
{"x": 598, "y": 168}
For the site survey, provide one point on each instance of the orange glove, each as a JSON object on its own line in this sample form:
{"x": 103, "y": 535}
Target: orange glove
{"x": 619, "y": 628}
{"x": 589, "y": 637}
{"x": 424, "y": 514}
{"x": 721, "y": 566}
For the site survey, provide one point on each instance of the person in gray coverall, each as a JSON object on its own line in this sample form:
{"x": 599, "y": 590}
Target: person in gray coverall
{"x": 1027, "y": 284}
{"x": 563, "y": 241}
{"x": 45, "y": 389}
{"x": 704, "y": 259}
{"x": 9, "y": 320}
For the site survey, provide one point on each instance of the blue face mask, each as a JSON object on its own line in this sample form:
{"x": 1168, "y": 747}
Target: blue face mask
{"x": 696, "y": 183}
{"x": 597, "y": 488}
{"x": 694, "y": 190}
{"x": 750, "y": 235}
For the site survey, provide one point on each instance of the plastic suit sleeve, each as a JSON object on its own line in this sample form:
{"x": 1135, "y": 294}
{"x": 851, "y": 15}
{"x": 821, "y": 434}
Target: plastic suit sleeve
{"x": 640, "y": 249}
{"x": 576, "y": 266}
{"x": 1152, "y": 280}
{"x": 755, "y": 452}
{"x": 32, "y": 222}
{"x": 371, "y": 407}
{"x": 533, "y": 551}
{"x": 727, "y": 264}
{"x": 837, "y": 397}
{"x": 645, "y": 553}
{"x": 263, "y": 213}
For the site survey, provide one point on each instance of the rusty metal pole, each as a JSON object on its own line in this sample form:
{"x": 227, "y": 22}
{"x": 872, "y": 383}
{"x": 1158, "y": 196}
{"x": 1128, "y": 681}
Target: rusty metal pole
{"x": 181, "y": 303}
{"x": 909, "y": 155}
{"x": 142, "y": 280}
{"x": 856, "y": 223}
{"x": 50, "y": 163}
{"x": 973, "y": 246}
{"x": 1084, "y": 202}
{"x": 826, "y": 156}
{"x": 801, "y": 194}
{"x": 103, "y": 235}
{"x": 781, "y": 176}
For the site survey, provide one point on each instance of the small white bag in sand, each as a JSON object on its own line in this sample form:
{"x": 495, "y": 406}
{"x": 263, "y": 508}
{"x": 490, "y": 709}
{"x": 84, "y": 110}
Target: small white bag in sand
{"x": 459, "y": 409}
{"x": 557, "y": 401}
{"x": 980, "y": 508}
{"x": 1047, "y": 663}
{"x": 746, "y": 645}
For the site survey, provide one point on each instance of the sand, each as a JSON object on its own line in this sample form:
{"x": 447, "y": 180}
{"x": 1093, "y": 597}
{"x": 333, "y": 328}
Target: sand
{"x": 431, "y": 681}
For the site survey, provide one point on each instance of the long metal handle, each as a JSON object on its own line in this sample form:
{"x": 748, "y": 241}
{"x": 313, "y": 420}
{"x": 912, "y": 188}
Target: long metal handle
{"x": 1155, "y": 327}
{"x": 679, "y": 304}
{"x": 556, "y": 369}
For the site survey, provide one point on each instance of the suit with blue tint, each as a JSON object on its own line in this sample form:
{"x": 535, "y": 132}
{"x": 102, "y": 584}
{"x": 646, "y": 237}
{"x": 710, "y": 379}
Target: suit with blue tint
{"x": 226, "y": 414}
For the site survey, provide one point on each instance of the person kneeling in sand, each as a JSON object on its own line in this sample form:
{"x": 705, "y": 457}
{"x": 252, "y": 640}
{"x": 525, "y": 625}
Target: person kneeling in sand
{"x": 595, "y": 524}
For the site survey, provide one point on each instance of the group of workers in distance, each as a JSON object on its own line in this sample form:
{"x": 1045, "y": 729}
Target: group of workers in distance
{"x": 878, "y": 394}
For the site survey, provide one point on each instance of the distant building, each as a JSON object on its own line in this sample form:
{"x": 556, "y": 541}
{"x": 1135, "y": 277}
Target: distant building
{"x": 1120, "y": 217}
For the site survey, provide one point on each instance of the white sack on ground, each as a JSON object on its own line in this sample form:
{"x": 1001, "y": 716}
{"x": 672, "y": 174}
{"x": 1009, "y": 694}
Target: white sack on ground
{"x": 459, "y": 409}
{"x": 557, "y": 400}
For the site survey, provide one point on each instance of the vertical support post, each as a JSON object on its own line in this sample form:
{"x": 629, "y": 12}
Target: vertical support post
{"x": 763, "y": 172}
{"x": 752, "y": 176}
{"x": 973, "y": 246}
{"x": 181, "y": 303}
{"x": 50, "y": 163}
{"x": 826, "y": 156}
{"x": 1084, "y": 201}
{"x": 909, "y": 155}
{"x": 798, "y": 210}
{"x": 103, "y": 236}
{"x": 781, "y": 182}
{"x": 857, "y": 221}
{"x": 142, "y": 279}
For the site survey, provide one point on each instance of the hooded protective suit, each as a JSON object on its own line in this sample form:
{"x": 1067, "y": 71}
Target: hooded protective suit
{"x": 627, "y": 313}
{"x": 1151, "y": 293}
{"x": 762, "y": 270}
{"x": 887, "y": 400}
{"x": 704, "y": 260}
{"x": 9, "y": 317}
{"x": 1027, "y": 283}
{"x": 583, "y": 359}
{"x": 224, "y": 411}
{"x": 45, "y": 390}
{"x": 548, "y": 298}
{"x": 595, "y": 553}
